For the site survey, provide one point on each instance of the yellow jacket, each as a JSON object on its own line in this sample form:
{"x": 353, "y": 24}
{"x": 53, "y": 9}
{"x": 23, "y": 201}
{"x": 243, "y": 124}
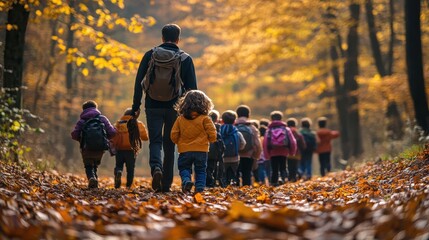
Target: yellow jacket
{"x": 193, "y": 135}
{"x": 121, "y": 141}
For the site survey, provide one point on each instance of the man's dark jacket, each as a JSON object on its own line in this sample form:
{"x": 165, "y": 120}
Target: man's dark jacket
{"x": 187, "y": 73}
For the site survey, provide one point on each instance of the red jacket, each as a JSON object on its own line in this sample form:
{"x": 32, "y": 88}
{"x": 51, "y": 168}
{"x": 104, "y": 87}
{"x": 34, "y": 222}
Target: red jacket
{"x": 326, "y": 135}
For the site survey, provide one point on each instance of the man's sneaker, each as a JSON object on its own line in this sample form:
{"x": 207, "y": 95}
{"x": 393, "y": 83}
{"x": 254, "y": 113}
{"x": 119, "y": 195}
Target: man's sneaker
{"x": 118, "y": 176}
{"x": 186, "y": 188}
{"x": 156, "y": 180}
{"x": 93, "y": 183}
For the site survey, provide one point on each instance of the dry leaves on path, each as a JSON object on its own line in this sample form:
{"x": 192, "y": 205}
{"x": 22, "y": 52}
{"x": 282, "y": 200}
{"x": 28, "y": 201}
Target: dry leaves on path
{"x": 383, "y": 200}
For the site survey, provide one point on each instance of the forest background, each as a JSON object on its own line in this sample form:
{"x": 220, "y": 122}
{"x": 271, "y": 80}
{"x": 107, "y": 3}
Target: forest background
{"x": 345, "y": 60}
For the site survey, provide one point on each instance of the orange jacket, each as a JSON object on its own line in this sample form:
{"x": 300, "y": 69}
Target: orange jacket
{"x": 325, "y": 135}
{"x": 193, "y": 135}
{"x": 121, "y": 141}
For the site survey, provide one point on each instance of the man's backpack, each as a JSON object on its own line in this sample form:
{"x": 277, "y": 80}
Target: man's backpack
{"x": 162, "y": 80}
{"x": 93, "y": 135}
{"x": 310, "y": 141}
{"x": 216, "y": 148}
{"x": 231, "y": 142}
{"x": 277, "y": 137}
{"x": 247, "y": 133}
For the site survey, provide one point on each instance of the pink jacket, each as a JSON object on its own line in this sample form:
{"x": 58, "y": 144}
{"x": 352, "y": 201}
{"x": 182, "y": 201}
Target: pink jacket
{"x": 279, "y": 151}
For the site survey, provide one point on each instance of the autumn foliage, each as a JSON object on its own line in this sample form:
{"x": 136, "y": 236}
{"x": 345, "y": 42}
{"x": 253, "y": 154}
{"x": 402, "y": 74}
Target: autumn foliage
{"x": 385, "y": 199}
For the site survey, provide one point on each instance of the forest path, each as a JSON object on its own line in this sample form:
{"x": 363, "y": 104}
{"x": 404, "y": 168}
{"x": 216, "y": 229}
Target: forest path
{"x": 385, "y": 200}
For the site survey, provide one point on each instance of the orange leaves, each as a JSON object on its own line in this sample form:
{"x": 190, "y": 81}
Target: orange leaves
{"x": 385, "y": 199}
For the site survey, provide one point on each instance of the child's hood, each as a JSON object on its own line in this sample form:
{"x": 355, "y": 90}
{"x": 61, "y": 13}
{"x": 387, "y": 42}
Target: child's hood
{"x": 89, "y": 113}
{"x": 277, "y": 123}
{"x": 228, "y": 129}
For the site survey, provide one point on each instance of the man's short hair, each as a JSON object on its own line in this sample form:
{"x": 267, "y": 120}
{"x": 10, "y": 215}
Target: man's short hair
{"x": 89, "y": 104}
{"x": 322, "y": 121}
{"x": 243, "y": 111}
{"x": 171, "y": 32}
{"x": 291, "y": 122}
{"x": 276, "y": 115}
{"x": 229, "y": 116}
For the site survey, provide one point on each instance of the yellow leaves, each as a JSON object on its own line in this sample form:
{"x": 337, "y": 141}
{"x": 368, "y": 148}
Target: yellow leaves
{"x": 83, "y": 7}
{"x": 38, "y": 13}
{"x": 15, "y": 126}
{"x": 11, "y": 27}
{"x": 85, "y": 72}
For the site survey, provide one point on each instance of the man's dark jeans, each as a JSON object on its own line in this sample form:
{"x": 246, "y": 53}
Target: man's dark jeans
{"x": 199, "y": 161}
{"x": 159, "y": 124}
{"x": 128, "y": 158}
{"x": 325, "y": 163}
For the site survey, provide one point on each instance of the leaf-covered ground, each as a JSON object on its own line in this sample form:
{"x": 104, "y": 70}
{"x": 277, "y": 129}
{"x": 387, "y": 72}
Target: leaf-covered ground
{"x": 383, "y": 200}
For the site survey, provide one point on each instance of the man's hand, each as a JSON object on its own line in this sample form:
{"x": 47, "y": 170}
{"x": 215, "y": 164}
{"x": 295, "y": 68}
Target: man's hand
{"x": 136, "y": 114}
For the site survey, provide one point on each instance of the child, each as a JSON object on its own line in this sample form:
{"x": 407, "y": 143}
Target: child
{"x": 262, "y": 162}
{"x": 234, "y": 141}
{"x": 92, "y": 131}
{"x": 311, "y": 141}
{"x": 279, "y": 142}
{"x": 215, "y": 156}
{"x": 251, "y": 152}
{"x": 192, "y": 131}
{"x": 293, "y": 161}
{"x": 127, "y": 127}
{"x": 324, "y": 148}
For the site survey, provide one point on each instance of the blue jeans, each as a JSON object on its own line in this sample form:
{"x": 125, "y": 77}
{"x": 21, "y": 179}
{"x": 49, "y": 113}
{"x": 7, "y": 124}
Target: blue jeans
{"x": 262, "y": 172}
{"x": 159, "y": 124}
{"x": 199, "y": 160}
{"x": 306, "y": 162}
{"x": 128, "y": 158}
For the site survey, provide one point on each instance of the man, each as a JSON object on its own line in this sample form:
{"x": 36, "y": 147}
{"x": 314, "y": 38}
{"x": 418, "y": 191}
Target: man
{"x": 252, "y": 150}
{"x": 159, "y": 101}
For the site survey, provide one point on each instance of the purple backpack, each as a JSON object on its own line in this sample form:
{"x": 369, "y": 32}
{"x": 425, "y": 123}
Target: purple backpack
{"x": 278, "y": 137}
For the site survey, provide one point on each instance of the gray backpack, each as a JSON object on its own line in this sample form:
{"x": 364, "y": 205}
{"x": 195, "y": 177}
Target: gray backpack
{"x": 162, "y": 80}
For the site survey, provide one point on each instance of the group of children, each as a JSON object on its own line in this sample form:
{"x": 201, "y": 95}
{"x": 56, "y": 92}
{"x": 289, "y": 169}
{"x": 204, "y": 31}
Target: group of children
{"x": 223, "y": 150}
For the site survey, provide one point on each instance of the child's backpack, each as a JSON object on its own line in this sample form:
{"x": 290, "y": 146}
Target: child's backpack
{"x": 230, "y": 141}
{"x": 162, "y": 80}
{"x": 217, "y": 148}
{"x": 93, "y": 135}
{"x": 247, "y": 133}
{"x": 310, "y": 141}
{"x": 277, "y": 137}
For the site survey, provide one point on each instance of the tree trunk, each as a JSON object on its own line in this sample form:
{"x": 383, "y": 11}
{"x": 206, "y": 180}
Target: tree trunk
{"x": 414, "y": 60}
{"x": 389, "y": 68}
{"x": 340, "y": 96}
{"x": 375, "y": 44}
{"x": 14, "y": 52}
{"x": 351, "y": 70}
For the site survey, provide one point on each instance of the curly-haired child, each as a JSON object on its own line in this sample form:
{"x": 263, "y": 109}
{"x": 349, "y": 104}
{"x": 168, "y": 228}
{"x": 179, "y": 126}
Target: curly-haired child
{"x": 193, "y": 131}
